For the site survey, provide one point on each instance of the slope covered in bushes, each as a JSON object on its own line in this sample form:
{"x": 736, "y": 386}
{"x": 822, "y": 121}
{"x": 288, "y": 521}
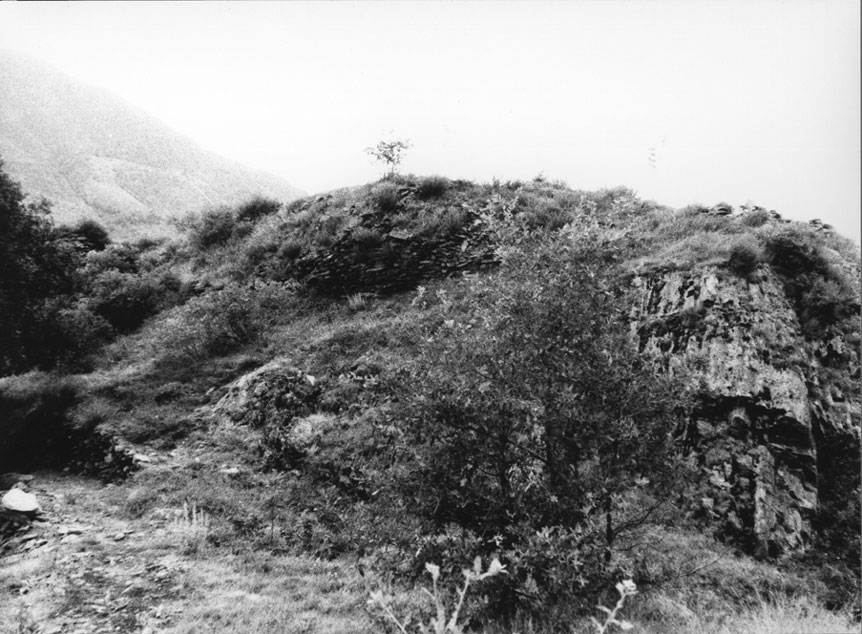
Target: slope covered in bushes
{"x": 419, "y": 371}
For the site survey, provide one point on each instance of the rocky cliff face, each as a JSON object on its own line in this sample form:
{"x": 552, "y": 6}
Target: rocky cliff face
{"x": 375, "y": 254}
{"x": 768, "y": 399}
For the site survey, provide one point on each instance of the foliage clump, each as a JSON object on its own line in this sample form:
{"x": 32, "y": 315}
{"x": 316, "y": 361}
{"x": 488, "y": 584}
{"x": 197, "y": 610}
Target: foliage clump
{"x": 745, "y": 256}
{"x": 218, "y": 322}
{"x": 535, "y": 415}
{"x": 256, "y": 209}
{"x": 823, "y": 296}
{"x": 386, "y": 197}
{"x": 432, "y": 187}
{"x": 43, "y": 322}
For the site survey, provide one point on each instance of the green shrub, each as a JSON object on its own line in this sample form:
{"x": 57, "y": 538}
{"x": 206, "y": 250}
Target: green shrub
{"x": 37, "y": 268}
{"x": 125, "y": 300}
{"x": 75, "y": 333}
{"x": 219, "y": 322}
{"x": 823, "y": 297}
{"x": 290, "y": 249}
{"x": 557, "y": 418}
{"x": 745, "y": 255}
{"x": 121, "y": 257}
{"x": 432, "y": 187}
{"x": 755, "y": 218}
{"x": 546, "y": 215}
{"x": 88, "y": 235}
{"x": 213, "y": 228}
{"x": 792, "y": 252}
{"x": 258, "y": 249}
{"x": 443, "y": 225}
{"x": 385, "y": 196}
{"x": 257, "y": 208}
{"x": 366, "y": 240}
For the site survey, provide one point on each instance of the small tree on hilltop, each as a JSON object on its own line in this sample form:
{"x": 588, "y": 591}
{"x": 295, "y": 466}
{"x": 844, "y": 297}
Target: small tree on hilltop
{"x": 389, "y": 153}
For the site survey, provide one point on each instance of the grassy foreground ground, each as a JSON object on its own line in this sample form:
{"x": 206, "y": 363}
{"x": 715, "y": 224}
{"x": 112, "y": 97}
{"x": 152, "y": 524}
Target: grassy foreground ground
{"x": 91, "y": 567}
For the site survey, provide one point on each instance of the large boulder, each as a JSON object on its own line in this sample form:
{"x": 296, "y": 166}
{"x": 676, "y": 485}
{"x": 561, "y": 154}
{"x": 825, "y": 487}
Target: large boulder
{"x": 19, "y": 501}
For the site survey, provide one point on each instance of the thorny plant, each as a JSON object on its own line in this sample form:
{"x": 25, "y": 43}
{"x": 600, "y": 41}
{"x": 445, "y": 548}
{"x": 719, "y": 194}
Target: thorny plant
{"x": 439, "y": 624}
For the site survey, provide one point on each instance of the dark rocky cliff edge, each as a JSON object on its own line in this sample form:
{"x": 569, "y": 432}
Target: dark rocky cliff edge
{"x": 768, "y": 407}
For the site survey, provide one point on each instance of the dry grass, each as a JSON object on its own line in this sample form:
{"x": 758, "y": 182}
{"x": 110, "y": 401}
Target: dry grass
{"x": 257, "y": 594}
{"x": 663, "y": 614}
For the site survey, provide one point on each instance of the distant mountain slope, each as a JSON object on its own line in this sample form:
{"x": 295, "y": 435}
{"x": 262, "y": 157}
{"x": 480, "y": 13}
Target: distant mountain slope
{"x": 92, "y": 155}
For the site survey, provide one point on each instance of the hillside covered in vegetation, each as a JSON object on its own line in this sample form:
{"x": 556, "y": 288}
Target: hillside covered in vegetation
{"x": 385, "y": 382}
{"x": 96, "y": 157}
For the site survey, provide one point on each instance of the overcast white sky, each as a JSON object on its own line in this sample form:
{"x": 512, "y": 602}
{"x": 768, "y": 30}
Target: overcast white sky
{"x": 755, "y": 100}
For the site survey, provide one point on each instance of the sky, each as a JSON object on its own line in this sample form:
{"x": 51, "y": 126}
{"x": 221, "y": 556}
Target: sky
{"x": 739, "y": 101}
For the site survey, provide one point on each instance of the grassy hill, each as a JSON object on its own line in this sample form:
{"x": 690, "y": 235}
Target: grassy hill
{"x": 333, "y": 394}
{"x": 94, "y": 156}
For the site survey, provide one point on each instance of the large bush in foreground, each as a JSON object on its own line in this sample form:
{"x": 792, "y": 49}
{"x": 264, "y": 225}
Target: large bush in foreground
{"x": 535, "y": 423}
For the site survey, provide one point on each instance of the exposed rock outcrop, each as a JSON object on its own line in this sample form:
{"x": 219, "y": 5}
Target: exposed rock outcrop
{"x": 280, "y": 400}
{"x": 373, "y": 254}
{"x": 762, "y": 402}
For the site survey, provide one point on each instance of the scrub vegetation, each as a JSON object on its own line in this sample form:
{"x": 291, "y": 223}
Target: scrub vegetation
{"x": 483, "y": 418}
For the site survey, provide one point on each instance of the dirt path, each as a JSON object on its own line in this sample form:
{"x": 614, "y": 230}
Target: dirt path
{"x": 84, "y": 569}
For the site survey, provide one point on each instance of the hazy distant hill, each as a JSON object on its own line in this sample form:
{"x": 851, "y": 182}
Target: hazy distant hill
{"x": 95, "y": 156}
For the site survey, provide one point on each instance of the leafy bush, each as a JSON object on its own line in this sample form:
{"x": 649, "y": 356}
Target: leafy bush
{"x": 88, "y": 235}
{"x": 386, "y": 197}
{"x": 823, "y": 297}
{"x": 745, "y": 255}
{"x": 443, "y": 225}
{"x": 74, "y": 333}
{"x": 546, "y": 215}
{"x": 125, "y": 300}
{"x": 38, "y": 268}
{"x": 121, "y": 257}
{"x": 793, "y": 252}
{"x": 213, "y": 228}
{"x": 432, "y": 187}
{"x": 365, "y": 240}
{"x": 533, "y": 410}
{"x": 756, "y": 218}
{"x": 219, "y": 322}
{"x": 257, "y": 208}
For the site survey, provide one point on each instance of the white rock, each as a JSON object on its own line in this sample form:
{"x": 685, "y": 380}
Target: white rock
{"x": 17, "y": 500}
